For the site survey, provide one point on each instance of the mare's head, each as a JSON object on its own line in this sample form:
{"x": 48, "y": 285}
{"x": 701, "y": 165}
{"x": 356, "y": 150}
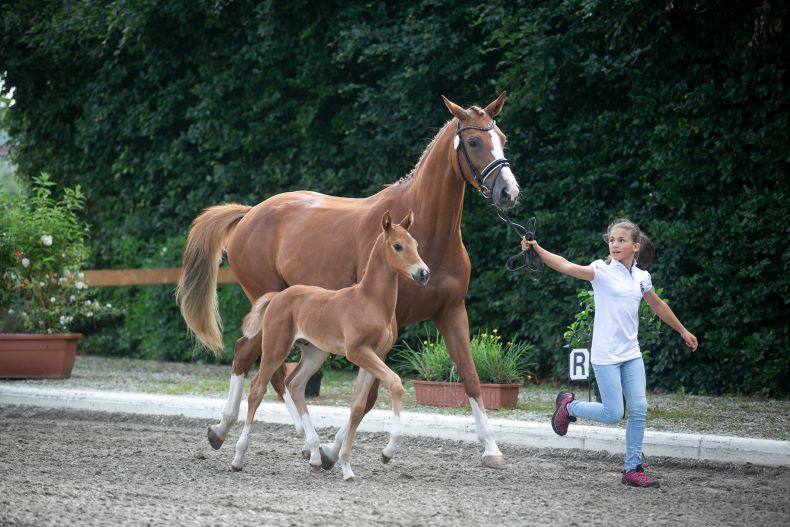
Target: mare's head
{"x": 480, "y": 151}
{"x": 401, "y": 249}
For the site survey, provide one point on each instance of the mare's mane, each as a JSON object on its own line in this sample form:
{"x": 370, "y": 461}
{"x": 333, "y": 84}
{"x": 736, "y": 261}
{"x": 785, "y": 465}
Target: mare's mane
{"x": 476, "y": 109}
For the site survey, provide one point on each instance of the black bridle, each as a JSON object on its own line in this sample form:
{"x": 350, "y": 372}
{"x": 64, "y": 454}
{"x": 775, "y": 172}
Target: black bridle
{"x": 480, "y": 177}
{"x": 528, "y": 259}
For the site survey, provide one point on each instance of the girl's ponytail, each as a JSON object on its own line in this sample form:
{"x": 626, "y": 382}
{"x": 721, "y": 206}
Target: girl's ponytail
{"x": 646, "y": 251}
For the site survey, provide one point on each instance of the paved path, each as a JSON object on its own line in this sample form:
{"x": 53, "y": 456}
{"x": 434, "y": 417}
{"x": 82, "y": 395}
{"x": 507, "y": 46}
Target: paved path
{"x": 518, "y": 433}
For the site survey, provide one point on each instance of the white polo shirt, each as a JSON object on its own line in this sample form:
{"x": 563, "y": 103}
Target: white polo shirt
{"x": 617, "y": 293}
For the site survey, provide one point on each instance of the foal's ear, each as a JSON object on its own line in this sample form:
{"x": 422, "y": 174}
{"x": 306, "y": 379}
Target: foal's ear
{"x": 408, "y": 220}
{"x": 495, "y": 107}
{"x": 386, "y": 221}
{"x": 456, "y": 110}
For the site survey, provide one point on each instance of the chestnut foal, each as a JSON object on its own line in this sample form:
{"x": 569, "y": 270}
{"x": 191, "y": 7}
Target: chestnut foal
{"x": 358, "y": 322}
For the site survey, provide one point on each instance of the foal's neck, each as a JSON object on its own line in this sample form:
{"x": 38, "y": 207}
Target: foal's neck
{"x": 380, "y": 281}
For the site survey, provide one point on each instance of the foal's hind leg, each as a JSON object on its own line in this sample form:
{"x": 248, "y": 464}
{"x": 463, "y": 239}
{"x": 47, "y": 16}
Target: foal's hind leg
{"x": 244, "y": 355}
{"x": 310, "y": 363}
{"x": 257, "y": 391}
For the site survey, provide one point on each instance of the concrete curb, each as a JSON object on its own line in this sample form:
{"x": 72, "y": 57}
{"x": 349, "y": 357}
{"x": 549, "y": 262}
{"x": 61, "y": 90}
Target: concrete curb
{"x": 461, "y": 428}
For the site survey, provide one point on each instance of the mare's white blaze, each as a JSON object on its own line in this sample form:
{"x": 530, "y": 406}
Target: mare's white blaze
{"x": 498, "y": 152}
{"x": 456, "y": 142}
{"x": 291, "y": 407}
{"x": 241, "y": 447}
{"x": 484, "y": 433}
{"x": 311, "y": 440}
{"x": 395, "y": 434}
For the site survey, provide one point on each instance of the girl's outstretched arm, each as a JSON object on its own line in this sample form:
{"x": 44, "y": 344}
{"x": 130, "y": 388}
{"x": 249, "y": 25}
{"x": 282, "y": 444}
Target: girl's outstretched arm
{"x": 666, "y": 314}
{"x": 558, "y": 263}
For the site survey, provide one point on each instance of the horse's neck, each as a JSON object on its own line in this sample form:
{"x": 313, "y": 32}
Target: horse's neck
{"x": 436, "y": 192}
{"x": 380, "y": 281}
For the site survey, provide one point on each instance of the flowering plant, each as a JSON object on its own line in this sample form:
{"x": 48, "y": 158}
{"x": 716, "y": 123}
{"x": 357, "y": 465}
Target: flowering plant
{"x": 496, "y": 362}
{"x": 42, "y": 250}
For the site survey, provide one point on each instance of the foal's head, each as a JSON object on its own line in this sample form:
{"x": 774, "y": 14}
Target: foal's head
{"x": 480, "y": 152}
{"x": 401, "y": 249}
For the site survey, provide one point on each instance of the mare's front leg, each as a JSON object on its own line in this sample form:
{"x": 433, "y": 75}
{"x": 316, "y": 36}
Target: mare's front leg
{"x": 245, "y": 353}
{"x": 454, "y": 327}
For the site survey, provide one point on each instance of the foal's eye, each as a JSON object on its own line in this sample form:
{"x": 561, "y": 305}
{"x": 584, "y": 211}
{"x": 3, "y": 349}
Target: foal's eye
{"x": 397, "y": 247}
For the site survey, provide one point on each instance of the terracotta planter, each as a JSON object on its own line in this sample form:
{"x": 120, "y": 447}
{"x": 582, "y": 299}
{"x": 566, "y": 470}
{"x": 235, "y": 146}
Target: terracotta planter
{"x": 313, "y": 386}
{"x": 32, "y": 356}
{"x": 495, "y": 396}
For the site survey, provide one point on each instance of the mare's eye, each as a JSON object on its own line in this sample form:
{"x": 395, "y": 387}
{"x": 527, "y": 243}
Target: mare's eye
{"x": 473, "y": 142}
{"x": 397, "y": 247}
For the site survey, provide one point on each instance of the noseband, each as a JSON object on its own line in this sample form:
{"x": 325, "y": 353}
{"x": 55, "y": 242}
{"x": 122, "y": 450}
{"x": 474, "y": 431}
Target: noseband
{"x": 480, "y": 177}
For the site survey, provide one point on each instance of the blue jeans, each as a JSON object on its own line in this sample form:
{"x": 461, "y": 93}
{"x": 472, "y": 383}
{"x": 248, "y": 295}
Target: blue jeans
{"x": 614, "y": 381}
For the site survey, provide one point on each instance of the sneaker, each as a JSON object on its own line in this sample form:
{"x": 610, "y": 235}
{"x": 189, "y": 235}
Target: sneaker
{"x": 561, "y": 419}
{"x": 637, "y": 478}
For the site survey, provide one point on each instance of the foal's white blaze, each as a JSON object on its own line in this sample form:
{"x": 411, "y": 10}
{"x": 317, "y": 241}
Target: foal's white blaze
{"x": 498, "y": 152}
{"x": 484, "y": 433}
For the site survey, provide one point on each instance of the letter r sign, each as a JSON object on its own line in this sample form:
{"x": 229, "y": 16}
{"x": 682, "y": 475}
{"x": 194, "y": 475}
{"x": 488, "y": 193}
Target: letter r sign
{"x": 579, "y": 364}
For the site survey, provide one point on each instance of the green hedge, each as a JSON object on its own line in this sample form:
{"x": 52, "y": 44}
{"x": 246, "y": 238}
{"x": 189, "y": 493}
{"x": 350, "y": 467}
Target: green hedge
{"x": 673, "y": 114}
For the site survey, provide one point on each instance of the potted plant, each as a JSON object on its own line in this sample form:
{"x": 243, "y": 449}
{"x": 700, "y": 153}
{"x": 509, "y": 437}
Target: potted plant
{"x": 501, "y": 367}
{"x": 43, "y": 294}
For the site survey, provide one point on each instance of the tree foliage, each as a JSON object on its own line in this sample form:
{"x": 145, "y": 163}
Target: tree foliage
{"x": 674, "y": 114}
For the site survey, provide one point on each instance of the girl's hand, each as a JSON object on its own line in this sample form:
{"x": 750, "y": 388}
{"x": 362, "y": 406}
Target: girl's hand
{"x": 525, "y": 244}
{"x": 691, "y": 340}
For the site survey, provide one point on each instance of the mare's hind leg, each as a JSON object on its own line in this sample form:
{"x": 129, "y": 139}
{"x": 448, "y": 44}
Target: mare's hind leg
{"x": 244, "y": 356}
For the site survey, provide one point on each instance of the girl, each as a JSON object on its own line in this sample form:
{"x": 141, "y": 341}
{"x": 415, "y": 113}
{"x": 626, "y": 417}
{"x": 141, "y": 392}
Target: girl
{"x": 619, "y": 284}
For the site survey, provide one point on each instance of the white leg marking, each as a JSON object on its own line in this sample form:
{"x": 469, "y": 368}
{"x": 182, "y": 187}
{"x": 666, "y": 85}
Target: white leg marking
{"x": 312, "y": 441}
{"x": 241, "y": 448}
{"x": 231, "y": 411}
{"x": 332, "y": 450}
{"x": 289, "y": 404}
{"x": 395, "y": 435}
{"x": 484, "y": 433}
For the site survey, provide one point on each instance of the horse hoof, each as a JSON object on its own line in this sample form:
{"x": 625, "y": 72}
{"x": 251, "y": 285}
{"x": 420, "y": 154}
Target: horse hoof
{"x": 385, "y": 458}
{"x": 316, "y": 468}
{"x": 326, "y": 463}
{"x": 497, "y": 462}
{"x": 214, "y": 440}
{"x": 306, "y": 453}
{"x": 236, "y": 469}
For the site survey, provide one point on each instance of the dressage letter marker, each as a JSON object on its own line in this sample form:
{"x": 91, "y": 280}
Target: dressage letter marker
{"x": 579, "y": 364}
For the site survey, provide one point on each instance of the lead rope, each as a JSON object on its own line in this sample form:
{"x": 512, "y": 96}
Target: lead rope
{"x": 528, "y": 259}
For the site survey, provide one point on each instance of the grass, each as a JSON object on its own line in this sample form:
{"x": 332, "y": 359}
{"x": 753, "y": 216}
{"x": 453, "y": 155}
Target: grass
{"x": 728, "y": 415}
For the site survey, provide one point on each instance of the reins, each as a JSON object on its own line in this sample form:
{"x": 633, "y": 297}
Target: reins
{"x": 528, "y": 259}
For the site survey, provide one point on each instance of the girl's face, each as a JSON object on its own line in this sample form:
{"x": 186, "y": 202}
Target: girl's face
{"x": 622, "y": 246}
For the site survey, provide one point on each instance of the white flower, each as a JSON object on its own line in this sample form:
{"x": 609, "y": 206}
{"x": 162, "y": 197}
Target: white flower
{"x": 52, "y": 300}
{"x": 80, "y": 285}
{"x": 10, "y": 311}
{"x": 25, "y": 263}
{"x": 109, "y": 306}
{"x": 73, "y": 298}
{"x": 81, "y": 275}
{"x": 87, "y": 302}
{"x": 89, "y": 313}
{"x": 46, "y": 240}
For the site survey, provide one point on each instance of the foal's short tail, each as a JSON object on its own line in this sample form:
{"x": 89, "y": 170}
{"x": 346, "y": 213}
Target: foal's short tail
{"x": 196, "y": 293}
{"x": 254, "y": 319}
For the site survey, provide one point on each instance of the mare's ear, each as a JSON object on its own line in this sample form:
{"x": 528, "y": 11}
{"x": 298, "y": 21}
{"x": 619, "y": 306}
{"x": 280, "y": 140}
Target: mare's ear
{"x": 408, "y": 220}
{"x": 456, "y": 110}
{"x": 386, "y": 221}
{"x": 495, "y": 107}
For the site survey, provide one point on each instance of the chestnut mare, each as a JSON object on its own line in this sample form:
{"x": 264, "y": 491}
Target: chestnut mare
{"x": 357, "y": 322}
{"x": 314, "y": 239}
